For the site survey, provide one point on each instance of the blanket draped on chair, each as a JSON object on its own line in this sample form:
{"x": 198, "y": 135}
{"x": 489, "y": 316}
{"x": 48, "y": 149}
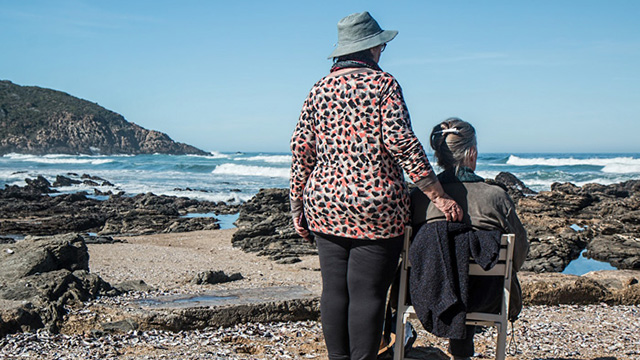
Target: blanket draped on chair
{"x": 439, "y": 278}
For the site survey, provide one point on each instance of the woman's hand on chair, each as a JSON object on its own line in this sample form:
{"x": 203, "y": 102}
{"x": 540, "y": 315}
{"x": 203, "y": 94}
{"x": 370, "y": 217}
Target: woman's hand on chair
{"x": 449, "y": 207}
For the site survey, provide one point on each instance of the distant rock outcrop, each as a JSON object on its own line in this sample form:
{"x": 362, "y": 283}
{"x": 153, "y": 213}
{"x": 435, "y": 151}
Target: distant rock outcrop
{"x": 38, "y": 121}
{"x": 29, "y": 210}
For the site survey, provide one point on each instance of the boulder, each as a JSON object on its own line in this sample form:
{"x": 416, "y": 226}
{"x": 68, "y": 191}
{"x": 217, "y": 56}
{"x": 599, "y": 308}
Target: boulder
{"x": 40, "y": 276}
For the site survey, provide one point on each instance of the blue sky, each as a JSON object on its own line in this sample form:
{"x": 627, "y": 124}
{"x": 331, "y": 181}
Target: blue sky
{"x": 531, "y": 76}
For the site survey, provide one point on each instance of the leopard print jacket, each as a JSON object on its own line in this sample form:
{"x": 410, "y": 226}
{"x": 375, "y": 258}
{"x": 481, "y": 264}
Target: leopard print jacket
{"x": 351, "y": 143}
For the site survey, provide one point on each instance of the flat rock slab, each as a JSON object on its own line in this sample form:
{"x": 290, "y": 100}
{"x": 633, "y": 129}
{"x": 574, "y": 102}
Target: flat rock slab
{"x": 227, "y": 298}
{"x": 212, "y": 309}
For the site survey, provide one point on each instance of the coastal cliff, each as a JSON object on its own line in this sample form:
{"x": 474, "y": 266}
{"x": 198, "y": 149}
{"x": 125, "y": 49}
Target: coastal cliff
{"x": 39, "y": 121}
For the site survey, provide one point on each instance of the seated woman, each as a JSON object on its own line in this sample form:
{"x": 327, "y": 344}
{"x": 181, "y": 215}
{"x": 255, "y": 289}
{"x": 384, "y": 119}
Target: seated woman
{"x": 485, "y": 207}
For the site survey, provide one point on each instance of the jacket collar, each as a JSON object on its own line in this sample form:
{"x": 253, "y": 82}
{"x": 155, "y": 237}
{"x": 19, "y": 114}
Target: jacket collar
{"x": 461, "y": 174}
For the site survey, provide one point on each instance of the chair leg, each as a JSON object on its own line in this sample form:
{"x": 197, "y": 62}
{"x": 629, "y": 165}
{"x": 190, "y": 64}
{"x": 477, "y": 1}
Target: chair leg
{"x": 501, "y": 347}
{"x": 398, "y": 348}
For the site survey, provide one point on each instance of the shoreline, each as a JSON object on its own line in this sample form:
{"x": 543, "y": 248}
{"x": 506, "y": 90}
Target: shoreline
{"x": 168, "y": 261}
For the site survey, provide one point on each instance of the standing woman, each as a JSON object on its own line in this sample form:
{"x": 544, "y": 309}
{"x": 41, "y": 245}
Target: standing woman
{"x": 351, "y": 144}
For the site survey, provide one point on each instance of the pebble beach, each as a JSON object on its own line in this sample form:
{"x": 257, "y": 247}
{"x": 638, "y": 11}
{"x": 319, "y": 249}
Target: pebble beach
{"x": 168, "y": 261}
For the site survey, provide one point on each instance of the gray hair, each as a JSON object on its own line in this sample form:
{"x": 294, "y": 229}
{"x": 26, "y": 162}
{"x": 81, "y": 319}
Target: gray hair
{"x": 452, "y": 141}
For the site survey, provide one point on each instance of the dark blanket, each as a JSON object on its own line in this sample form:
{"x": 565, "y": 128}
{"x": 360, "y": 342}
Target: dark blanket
{"x": 439, "y": 281}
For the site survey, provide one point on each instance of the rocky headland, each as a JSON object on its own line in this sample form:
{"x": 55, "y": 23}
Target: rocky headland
{"x": 39, "y": 121}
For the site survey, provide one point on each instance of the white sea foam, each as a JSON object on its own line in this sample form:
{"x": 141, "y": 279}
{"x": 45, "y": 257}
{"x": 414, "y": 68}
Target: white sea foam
{"x": 488, "y": 174}
{"x": 617, "y": 164}
{"x": 272, "y": 159}
{"x": 622, "y": 168}
{"x": 212, "y": 154}
{"x": 61, "y": 159}
{"x": 244, "y": 170}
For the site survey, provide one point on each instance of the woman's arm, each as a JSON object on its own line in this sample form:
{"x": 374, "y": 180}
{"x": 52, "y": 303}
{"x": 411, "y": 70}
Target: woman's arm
{"x": 303, "y": 150}
{"x": 404, "y": 146}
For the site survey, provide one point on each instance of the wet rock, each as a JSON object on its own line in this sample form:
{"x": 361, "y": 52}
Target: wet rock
{"x": 215, "y": 277}
{"x": 621, "y": 251}
{"x": 552, "y": 253}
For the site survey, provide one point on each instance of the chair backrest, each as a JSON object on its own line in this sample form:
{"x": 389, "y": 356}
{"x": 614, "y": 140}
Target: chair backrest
{"x": 503, "y": 269}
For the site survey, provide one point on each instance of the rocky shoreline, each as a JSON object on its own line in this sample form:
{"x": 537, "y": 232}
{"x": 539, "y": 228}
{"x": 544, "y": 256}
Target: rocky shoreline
{"x": 89, "y": 287}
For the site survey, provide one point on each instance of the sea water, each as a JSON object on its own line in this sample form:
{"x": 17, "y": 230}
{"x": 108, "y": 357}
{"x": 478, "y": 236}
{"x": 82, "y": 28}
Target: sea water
{"x": 236, "y": 177}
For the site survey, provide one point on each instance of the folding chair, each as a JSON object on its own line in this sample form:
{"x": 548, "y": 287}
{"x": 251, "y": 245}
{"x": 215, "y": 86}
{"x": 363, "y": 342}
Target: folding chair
{"x": 503, "y": 268}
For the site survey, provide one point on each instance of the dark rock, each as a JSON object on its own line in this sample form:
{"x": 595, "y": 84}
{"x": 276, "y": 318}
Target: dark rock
{"x": 215, "y": 277}
{"x": 552, "y": 253}
{"x": 39, "y": 185}
{"x": 18, "y": 316}
{"x": 288, "y": 260}
{"x": 64, "y": 181}
{"x": 621, "y": 251}
{"x": 133, "y": 285}
{"x": 514, "y": 186}
{"x": 608, "y": 215}
{"x": 90, "y": 183}
{"x": 6, "y": 240}
{"x": 265, "y": 226}
{"x": 225, "y": 308}
{"x": 40, "y": 255}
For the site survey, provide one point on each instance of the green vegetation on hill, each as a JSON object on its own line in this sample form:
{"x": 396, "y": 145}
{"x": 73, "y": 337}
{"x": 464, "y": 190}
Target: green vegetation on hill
{"x": 35, "y": 120}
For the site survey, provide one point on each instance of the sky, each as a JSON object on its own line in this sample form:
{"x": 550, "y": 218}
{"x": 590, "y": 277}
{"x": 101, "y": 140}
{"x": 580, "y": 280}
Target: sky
{"x": 542, "y": 76}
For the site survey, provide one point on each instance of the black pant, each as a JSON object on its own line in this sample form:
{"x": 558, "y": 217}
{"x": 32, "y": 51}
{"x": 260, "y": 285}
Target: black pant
{"x": 463, "y": 347}
{"x": 485, "y": 295}
{"x": 356, "y": 275}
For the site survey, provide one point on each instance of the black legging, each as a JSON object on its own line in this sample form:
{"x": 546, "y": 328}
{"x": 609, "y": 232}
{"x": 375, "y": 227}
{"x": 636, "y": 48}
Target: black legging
{"x": 356, "y": 275}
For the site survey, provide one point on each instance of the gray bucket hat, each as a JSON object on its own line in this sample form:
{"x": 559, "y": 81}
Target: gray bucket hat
{"x": 360, "y": 31}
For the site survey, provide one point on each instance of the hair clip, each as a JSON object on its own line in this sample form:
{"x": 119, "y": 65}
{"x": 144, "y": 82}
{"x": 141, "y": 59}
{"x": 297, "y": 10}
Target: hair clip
{"x": 448, "y": 131}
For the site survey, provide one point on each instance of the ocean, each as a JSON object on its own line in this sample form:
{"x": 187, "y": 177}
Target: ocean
{"x": 236, "y": 177}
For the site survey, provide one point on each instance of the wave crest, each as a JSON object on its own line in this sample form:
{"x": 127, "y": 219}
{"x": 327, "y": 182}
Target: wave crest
{"x": 613, "y": 165}
{"x": 244, "y": 170}
{"x": 272, "y": 159}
